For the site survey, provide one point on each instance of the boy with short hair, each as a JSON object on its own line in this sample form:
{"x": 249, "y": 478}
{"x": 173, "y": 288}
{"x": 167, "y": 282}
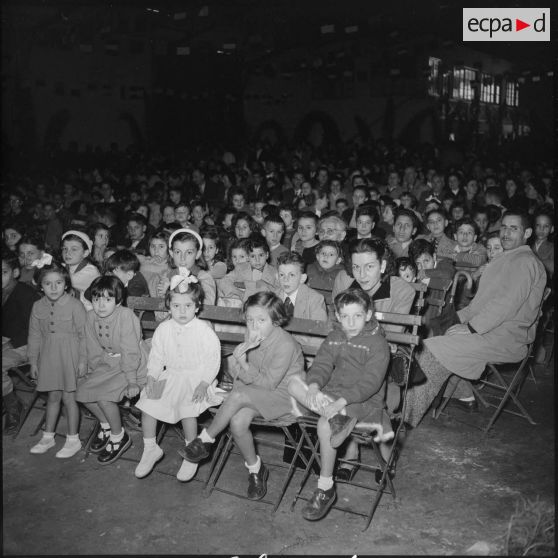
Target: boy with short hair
{"x": 307, "y": 227}
{"x": 436, "y": 223}
{"x": 467, "y": 250}
{"x": 287, "y": 213}
{"x": 404, "y": 229}
{"x": 542, "y": 247}
{"x": 322, "y": 273}
{"x": 250, "y": 277}
{"x": 345, "y": 385}
{"x": 366, "y": 220}
{"x": 300, "y": 300}
{"x": 272, "y": 231}
{"x": 341, "y": 205}
{"x": 125, "y": 265}
{"x": 17, "y": 301}
{"x": 137, "y": 239}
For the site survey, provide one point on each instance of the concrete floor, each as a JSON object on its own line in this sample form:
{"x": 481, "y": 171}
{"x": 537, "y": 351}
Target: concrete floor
{"x": 454, "y": 488}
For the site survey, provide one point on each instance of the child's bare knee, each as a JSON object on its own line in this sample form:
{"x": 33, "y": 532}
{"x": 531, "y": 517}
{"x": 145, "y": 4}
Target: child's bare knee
{"x": 239, "y": 424}
{"x": 54, "y": 396}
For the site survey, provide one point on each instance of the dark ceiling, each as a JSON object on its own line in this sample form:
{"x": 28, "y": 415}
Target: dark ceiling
{"x": 278, "y": 25}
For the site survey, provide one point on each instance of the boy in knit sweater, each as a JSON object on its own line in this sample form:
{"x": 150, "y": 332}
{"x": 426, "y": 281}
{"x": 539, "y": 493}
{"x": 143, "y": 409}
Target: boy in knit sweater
{"x": 345, "y": 385}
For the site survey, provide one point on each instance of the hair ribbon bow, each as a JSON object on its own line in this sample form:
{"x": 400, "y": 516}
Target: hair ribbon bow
{"x": 182, "y": 280}
{"x": 45, "y": 259}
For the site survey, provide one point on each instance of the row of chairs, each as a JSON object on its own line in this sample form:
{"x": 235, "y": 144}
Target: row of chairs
{"x": 303, "y": 444}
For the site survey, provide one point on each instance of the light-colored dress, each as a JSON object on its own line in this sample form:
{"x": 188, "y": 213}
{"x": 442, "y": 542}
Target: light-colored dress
{"x": 56, "y": 342}
{"x": 183, "y": 355}
{"x": 116, "y": 356}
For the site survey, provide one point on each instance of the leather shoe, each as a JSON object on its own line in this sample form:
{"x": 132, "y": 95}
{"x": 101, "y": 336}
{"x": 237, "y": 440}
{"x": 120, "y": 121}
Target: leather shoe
{"x": 113, "y": 450}
{"x": 257, "y": 483}
{"x": 319, "y": 504}
{"x": 346, "y": 472}
{"x": 196, "y": 451}
{"x": 470, "y": 406}
{"x": 341, "y": 426}
{"x": 100, "y": 441}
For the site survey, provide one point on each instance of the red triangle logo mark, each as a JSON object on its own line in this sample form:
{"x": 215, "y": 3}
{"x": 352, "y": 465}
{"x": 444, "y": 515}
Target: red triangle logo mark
{"x": 519, "y": 25}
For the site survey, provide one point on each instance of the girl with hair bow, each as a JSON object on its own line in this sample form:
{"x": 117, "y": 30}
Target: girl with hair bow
{"x": 181, "y": 372}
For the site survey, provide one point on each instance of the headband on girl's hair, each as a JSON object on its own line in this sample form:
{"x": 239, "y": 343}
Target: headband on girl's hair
{"x": 189, "y": 231}
{"x": 45, "y": 259}
{"x": 182, "y": 280}
{"x": 81, "y": 235}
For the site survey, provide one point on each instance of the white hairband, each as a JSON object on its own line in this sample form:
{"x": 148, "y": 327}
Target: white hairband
{"x": 81, "y": 235}
{"x": 189, "y": 231}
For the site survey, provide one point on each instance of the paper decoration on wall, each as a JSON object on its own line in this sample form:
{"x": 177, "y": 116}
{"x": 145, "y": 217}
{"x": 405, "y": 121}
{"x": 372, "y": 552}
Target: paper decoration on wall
{"x": 351, "y": 29}
{"x": 229, "y": 46}
{"x": 327, "y": 29}
{"x": 204, "y": 11}
{"x": 183, "y": 51}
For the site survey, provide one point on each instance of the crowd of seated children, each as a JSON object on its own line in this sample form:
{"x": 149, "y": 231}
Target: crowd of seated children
{"x": 281, "y": 240}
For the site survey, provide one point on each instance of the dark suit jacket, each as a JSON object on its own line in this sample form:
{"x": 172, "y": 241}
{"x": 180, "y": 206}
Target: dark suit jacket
{"x": 253, "y": 196}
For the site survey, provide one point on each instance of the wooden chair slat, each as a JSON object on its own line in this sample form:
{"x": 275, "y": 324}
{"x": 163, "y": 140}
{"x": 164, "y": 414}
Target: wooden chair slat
{"x": 316, "y": 328}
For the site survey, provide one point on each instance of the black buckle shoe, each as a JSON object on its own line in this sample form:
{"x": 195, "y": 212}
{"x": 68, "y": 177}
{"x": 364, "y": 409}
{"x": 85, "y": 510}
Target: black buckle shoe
{"x": 346, "y": 472}
{"x": 196, "y": 451}
{"x": 257, "y": 484}
{"x": 100, "y": 441}
{"x": 113, "y": 450}
{"x": 319, "y": 504}
{"x": 341, "y": 426}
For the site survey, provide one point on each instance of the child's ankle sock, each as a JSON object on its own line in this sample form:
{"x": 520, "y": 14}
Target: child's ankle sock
{"x": 255, "y": 469}
{"x": 467, "y": 399}
{"x": 115, "y": 438}
{"x": 72, "y": 438}
{"x": 325, "y": 483}
{"x": 48, "y": 435}
{"x": 105, "y": 425}
{"x": 149, "y": 442}
{"x": 205, "y": 437}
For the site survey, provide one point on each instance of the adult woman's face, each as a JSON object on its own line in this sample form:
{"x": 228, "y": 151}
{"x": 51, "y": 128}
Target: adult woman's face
{"x": 367, "y": 269}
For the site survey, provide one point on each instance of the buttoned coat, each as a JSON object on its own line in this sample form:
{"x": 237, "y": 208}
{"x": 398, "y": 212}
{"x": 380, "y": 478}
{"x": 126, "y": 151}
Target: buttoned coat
{"x": 503, "y": 314}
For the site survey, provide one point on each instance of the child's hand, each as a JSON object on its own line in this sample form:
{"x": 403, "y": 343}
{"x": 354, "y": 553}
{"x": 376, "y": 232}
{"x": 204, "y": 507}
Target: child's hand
{"x": 132, "y": 390}
{"x": 154, "y": 388}
{"x": 252, "y": 339}
{"x": 200, "y": 393}
{"x": 162, "y": 286}
{"x": 34, "y": 371}
{"x": 334, "y": 408}
{"x": 82, "y": 370}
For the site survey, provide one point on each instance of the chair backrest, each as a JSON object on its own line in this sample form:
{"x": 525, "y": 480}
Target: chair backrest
{"x": 419, "y": 301}
{"x": 223, "y": 315}
{"x": 461, "y": 273}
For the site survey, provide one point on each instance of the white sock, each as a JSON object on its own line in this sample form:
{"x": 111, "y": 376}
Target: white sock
{"x": 471, "y": 398}
{"x": 205, "y": 437}
{"x": 72, "y": 438}
{"x": 254, "y": 468}
{"x": 325, "y": 483}
{"x": 105, "y": 425}
{"x": 48, "y": 435}
{"x": 149, "y": 442}
{"x": 115, "y": 438}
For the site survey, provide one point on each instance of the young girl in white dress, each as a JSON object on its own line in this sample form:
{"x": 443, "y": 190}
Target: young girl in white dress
{"x": 181, "y": 372}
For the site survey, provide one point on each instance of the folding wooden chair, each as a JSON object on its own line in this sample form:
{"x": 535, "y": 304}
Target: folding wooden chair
{"x": 225, "y": 448}
{"x": 366, "y": 437}
{"x": 493, "y": 379}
